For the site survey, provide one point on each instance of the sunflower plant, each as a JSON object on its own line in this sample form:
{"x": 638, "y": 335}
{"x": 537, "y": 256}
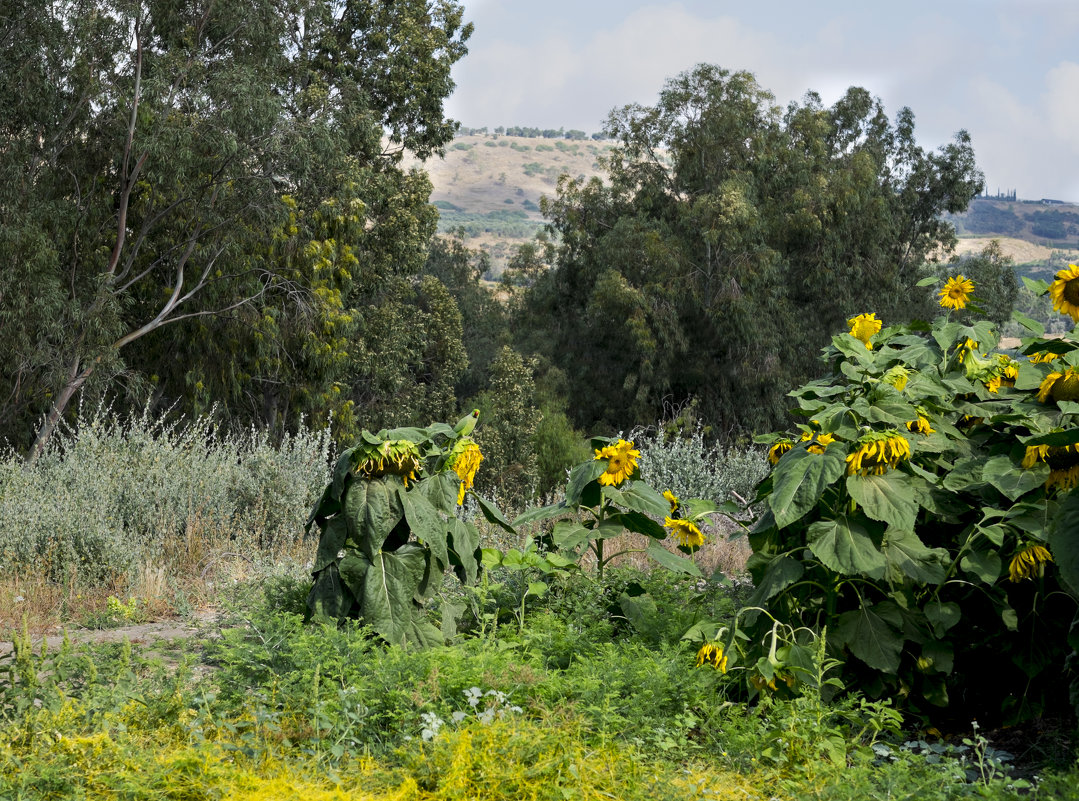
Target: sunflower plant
{"x": 389, "y": 528}
{"x": 924, "y": 514}
{"x": 606, "y": 497}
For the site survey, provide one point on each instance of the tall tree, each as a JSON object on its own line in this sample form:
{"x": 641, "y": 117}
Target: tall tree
{"x": 168, "y": 160}
{"x": 731, "y": 238}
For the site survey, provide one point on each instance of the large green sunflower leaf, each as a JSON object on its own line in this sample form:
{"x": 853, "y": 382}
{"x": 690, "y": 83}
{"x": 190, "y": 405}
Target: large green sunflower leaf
{"x": 1013, "y": 481}
{"x": 1030, "y": 376}
{"x": 494, "y": 515}
{"x": 1056, "y": 438}
{"x": 640, "y": 497}
{"x": 330, "y": 543}
{"x": 1064, "y": 541}
{"x": 888, "y": 498}
{"x": 985, "y": 565}
{"x": 780, "y": 573}
{"x": 569, "y": 534}
{"x": 871, "y": 635}
{"x": 891, "y": 410}
{"x": 391, "y": 582}
{"x": 540, "y": 513}
{"x": 672, "y": 561}
{"x": 580, "y": 477}
{"x": 372, "y": 509}
{"x": 800, "y": 479}
{"x": 640, "y": 524}
{"x": 329, "y": 599}
{"x": 425, "y": 521}
{"x": 906, "y": 555}
{"x": 464, "y": 547}
{"x": 942, "y": 616}
{"x": 845, "y": 547}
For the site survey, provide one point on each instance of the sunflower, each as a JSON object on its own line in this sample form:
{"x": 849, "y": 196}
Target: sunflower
{"x": 1043, "y": 356}
{"x": 775, "y": 453}
{"x": 1009, "y": 370}
{"x": 920, "y": 426}
{"x": 672, "y": 499}
{"x": 956, "y": 292}
{"x": 397, "y": 457}
{"x": 878, "y": 451}
{"x": 621, "y": 462}
{"x": 822, "y": 441}
{"x": 993, "y": 384}
{"x": 1029, "y": 562}
{"x": 896, "y": 376}
{"x": 712, "y": 654}
{"x": 1063, "y": 461}
{"x": 686, "y": 530}
{"x": 1035, "y": 454}
{"x": 1065, "y": 292}
{"x": 863, "y": 327}
{"x": 966, "y": 347}
{"x": 1064, "y": 478}
{"x": 1060, "y": 386}
{"x": 465, "y": 460}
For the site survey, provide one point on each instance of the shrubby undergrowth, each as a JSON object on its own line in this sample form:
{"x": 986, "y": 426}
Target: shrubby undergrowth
{"x": 112, "y": 492}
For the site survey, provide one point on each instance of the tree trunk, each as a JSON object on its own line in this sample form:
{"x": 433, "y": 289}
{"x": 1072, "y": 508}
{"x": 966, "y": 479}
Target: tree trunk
{"x": 75, "y": 380}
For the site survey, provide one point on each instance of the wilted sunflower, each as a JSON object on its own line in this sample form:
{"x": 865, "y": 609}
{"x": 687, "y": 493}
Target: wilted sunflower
{"x": 1064, "y": 479}
{"x": 966, "y": 347}
{"x": 821, "y": 441}
{"x": 1035, "y": 454}
{"x": 397, "y": 457}
{"x": 621, "y": 462}
{"x": 1028, "y": 563}
{"x": 712, "y": 654}
{"x": 672, "y": 499}
{"x": 896, "y": 376}
{"x": 686, "y": 530}
{"x": 993, "y": 384}
{"x": 1043, "y": 356}
{"x": 465, "y": 460}
{"x": 775, "y": 453}
{"x": 1060, "y": 386}
{"x": 1063, "y": 461}
{"x": 920, "y": 426}
{"x": 1009, "y": 370}
{"x": 877, "y": 452}
{"x": 956, "y": 292}
{"x": 1065, "y": 292}
{"x": 864, "y": 327}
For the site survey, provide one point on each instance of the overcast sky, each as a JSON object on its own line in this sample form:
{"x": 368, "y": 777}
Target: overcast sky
{"x": 1005, "y": 70}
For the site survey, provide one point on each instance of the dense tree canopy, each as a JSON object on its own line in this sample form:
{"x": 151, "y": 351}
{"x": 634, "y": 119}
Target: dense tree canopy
{"x": 732, "y": 238}
{"x": 233, "y": 168}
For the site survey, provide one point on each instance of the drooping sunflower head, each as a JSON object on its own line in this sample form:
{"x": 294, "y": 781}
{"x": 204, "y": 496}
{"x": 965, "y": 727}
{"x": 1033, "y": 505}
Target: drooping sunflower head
{"x": 993, "y": 383}
{"x": 1043, "y": 356}
{"x": 966, "y": 346}
{"x": 775, "y": 453}
{"x": 464, "y": 460}
{"x": 1060, "y": 386}
{"x": 921, "y": 425}
{"x": 864, "y": 327}
{"x": 672, "y": 499}
{"x": 1009, "y": 369}
{"x": 819, "y": 441}
{"x": 956, "y": 292}
{"x": 621, "y": 462}
{"x": 1029, "y": 562}
{"x": 397, "y": 457}
{"x": 686, "y": 530}
{"x": 712, "y": 654}
{"x": 878, "y": 451}
{"x": 896, "y": 376}
{"x": 1065, "y": 292}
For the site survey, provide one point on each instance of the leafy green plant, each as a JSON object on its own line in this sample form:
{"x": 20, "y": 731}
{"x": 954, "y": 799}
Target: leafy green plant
{"x": 606, "y": 497}
{"x": 919, "y": 511}
{"x": 389, "y": 528}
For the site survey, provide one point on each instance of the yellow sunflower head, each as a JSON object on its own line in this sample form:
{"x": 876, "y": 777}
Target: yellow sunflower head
{"x": 993, "y": 384}
{"x": 966, "y": 346}
{"x": 1043, "y": 356}
{"x": 1008, "y": 368}
{"x": 686, "y": 530}
{"x": 775, "y": 453}
{"x": 712, "y": 654}
{"x": 878, "y": 451}
{"x": 621, "y": 462}
{"x": 1060, "y": 386}
{"x": 921, "y": 425}
{"x": 1028, "y": 563}
{"x": 956, "y": 292}
{"x": 1065, "y": 292}
{"x": 464, "y": 460}
{"x": 672, "y": 499}
{"x": 820, "y": 442}
{"x": 864, "y": 327}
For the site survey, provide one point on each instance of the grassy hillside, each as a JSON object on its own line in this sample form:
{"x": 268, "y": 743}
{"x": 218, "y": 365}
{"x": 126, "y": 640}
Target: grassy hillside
{"x": 490, "y": 186}
{"x": 1040, "y": 237}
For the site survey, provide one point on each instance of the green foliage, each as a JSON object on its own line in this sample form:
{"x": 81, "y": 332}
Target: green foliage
{"x": 510, "y": 423}
{"x": 689, "y": 273}
{"x": 384, "y": 542}
{"x": 222, "y": 173}
{"x": 911, "y": 517}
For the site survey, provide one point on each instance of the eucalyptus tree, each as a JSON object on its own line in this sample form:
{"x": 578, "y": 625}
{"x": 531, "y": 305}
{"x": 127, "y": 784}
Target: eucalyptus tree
{"x": 210, "y": 168}
{"x": 730, "y": 237}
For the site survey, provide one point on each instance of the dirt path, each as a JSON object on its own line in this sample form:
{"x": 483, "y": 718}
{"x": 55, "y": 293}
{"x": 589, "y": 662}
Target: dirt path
{"x": 140, "y": 634}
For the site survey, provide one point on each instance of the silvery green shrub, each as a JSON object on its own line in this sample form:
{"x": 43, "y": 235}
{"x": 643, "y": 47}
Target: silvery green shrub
{"x": 111, "y": 491}
{"x": 690, "y": 468}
